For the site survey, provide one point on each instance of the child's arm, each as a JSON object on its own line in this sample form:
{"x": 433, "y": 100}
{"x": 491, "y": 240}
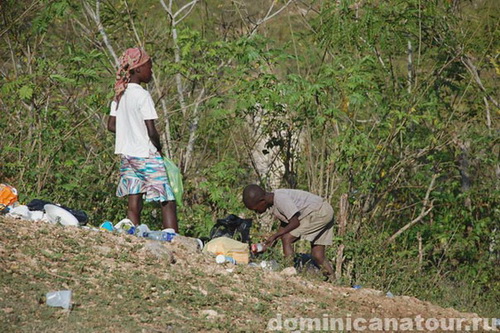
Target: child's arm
{"x": 112, "y": 124}
{"x": 153, "y": 134}
{"x": 293, "y": 223}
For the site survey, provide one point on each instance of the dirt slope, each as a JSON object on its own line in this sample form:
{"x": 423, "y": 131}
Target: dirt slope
{"x": 120, "y": 285}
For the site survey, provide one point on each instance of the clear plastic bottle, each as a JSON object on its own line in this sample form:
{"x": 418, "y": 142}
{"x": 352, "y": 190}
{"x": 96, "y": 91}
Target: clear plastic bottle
{"x": 141, "y": 230}
{"x": 158, "y": 235}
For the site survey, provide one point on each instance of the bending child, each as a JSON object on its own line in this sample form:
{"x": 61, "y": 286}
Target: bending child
{"x": 303, "y": 215}
{"x": 132, "y": 118}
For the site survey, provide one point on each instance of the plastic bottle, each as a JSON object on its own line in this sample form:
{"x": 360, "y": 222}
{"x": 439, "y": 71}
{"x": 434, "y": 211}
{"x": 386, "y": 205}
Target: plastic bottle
{"x": 257, "y": 248}
{"x": 170, "y": 234}
{"x": 141, "y": 230}
{"x": 220, "y": 259}
{"x": 157, "y": 235}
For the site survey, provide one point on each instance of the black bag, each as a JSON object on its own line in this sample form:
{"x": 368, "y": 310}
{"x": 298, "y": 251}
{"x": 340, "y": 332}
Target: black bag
{"x": 37, "y": 204}
{"x": 232, "y": 227}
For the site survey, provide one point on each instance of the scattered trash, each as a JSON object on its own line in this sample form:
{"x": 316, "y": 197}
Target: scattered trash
{"x": 141, "y": 230}
{"x": 257, "y": 248}
{"x": 220, "y": 259}
{"x": 155, "y": 235}
{"x": 38, "y": 215}
{"x": 271, "y": 265}
{"x": 253, "y": 264}
{"x": 170, "y": 233}
{"x": 60, "y": 215}
{"x": 389, "y": 294}
{"x": 20, "y": 212}
{"x": 357, "y": 286}
{"x": 166, "y": 235}
{"x": 38, "y": 205}
{"x": 232, "y": 227}
{"x": 8, "y": 197}
{"x": 228, "y": 247}
{"x": 61, "y": 298}
{"x": 107, "y": 226}
{"x": 125, "y": 226}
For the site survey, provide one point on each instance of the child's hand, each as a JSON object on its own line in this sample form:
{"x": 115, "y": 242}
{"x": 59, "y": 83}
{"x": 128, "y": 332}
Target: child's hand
{"x": 269, "y": 242}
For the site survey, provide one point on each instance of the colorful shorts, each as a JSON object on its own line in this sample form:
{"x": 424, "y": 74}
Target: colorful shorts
{"x": 144, "y": 175}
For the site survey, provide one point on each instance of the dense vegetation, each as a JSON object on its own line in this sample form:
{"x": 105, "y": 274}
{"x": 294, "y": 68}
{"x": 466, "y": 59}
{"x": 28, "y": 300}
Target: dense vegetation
{"x": 392, "y": 105}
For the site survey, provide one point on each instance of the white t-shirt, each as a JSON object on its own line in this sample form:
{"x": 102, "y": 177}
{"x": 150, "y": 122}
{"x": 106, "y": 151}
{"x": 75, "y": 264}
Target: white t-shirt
{"x": 136, "y": 105}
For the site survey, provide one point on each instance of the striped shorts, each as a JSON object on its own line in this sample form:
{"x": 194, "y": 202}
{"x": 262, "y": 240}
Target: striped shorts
{"x": 144, "y": 175}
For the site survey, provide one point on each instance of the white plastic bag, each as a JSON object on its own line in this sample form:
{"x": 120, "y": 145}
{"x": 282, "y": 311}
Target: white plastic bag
{"x": 60, "y": 298}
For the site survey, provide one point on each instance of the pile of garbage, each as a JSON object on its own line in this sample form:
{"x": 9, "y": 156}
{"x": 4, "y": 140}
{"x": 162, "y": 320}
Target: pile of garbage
{"x": 229, "y": 241}
{"x": 38, "y": 210}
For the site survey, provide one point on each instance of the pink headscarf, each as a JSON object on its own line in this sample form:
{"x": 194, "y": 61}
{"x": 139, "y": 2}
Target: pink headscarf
{"x": 130, "y": 59}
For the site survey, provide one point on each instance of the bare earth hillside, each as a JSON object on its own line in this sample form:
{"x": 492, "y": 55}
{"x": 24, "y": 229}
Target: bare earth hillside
{"x": 127, "y": 284}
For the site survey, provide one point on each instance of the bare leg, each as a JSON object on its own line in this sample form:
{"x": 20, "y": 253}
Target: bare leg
{"x": 318, "y": 254}
{"x": 169, "y": 215}
{"x": 288, "y": 240}
{"x": 134, "y": 208}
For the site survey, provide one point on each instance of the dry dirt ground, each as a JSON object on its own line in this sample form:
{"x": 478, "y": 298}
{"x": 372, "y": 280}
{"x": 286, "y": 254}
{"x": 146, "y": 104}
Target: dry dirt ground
{"x": 122, "y": 283}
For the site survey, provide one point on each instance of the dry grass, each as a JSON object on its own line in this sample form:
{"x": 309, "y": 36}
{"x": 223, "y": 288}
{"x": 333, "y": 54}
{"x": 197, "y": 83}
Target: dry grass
{"x": 119, "y": 286}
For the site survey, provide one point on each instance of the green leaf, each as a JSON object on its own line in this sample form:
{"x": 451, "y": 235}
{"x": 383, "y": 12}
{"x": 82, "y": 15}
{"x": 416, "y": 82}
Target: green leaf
{"x": 26, "y": 92}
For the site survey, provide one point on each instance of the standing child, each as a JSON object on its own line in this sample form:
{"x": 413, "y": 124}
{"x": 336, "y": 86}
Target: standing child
{"x": 302, "y": 215}
{"x": 132, "y": 118}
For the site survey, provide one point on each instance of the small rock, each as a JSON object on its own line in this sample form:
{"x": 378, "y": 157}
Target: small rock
{"x": 289, "y": 271}
{"x": 209, "y": 313}
{"x": 159, "y": 251}
{"x": 191, "y": 245}
{"x": 105, "y": 250}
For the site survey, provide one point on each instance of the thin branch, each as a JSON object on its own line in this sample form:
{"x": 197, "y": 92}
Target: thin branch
{"x": 269, "y": 16}
{"x": 96, "y": 16}
{"x": 192, "y": 130}
{"x": 132, "y": 24}
{"x": 488, "y": 113}
{"x": 168, "y": 9}
{"x": 19, "y": 17}
{"x": 192, "y": 4}
{"x": 474, "y": 72}
{"x": 422, "y": 214}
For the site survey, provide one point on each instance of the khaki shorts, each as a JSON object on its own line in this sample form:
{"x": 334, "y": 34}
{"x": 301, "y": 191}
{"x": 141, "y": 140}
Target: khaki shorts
{"x": 317, "y": 227}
